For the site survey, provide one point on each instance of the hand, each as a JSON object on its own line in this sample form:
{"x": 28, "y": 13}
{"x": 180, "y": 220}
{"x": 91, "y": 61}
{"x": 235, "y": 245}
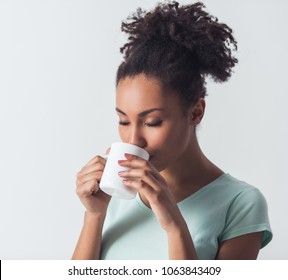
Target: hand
{"x": 88, "y": 178}
{"x": 145, "y": 178}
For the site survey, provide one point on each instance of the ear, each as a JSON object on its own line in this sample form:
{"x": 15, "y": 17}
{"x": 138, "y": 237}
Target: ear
{"x": 197, "y": 111}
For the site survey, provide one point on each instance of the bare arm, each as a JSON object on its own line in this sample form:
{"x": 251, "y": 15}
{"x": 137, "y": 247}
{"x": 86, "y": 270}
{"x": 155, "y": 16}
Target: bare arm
{"x": 180, "y": 244}
{"x": 96, "y": 202}
{"x": 89, "y": 243}
{"x": 245, "y": 247}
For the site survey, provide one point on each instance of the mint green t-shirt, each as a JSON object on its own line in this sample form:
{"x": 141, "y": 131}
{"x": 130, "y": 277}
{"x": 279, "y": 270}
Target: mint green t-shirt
{"x": 221, "y": 210}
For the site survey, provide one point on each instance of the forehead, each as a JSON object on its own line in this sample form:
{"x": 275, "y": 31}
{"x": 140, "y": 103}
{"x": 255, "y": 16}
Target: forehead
{"x": 141, "y": 93}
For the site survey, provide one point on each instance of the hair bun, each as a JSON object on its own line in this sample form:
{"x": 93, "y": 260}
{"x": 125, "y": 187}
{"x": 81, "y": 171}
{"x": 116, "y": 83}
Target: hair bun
{"x": 190, "y": 27}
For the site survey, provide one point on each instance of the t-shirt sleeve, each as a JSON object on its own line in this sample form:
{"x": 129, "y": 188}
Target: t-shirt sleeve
{"x": 247, "y": 213}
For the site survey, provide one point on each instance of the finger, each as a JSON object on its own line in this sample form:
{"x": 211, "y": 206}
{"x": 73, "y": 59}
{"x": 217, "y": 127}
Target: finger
{"x": 99, "y": 166}
{"x": 140, "y": 163}
{"x": 88, "y": 177}
{"x": 140, "y": 176}
{"x": 141, "y": 187}
{"x": 88, "y": 189}
{"x": 131, "y": 157}
{"x": 134, "y": 163}
{"x": 96, "y": 159}
{"x": 108, "y": 151}
{"x": 135, "y": 159}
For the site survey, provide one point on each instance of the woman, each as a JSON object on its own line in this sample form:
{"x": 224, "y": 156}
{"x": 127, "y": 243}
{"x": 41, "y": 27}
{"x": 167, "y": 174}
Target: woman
{"x": 186, "y": 207}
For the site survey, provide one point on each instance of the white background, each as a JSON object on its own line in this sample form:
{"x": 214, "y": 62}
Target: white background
{"x": 58, "y": 60}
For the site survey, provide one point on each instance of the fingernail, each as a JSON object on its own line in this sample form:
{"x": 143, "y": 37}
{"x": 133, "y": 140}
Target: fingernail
{"x": 127, "y": 155}
{"x": 121, "y": 161}
{"x": 120, "y": 173}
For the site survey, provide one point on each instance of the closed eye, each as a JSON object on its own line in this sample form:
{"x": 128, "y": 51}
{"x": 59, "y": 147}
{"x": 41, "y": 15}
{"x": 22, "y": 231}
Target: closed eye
{"x": 123, "y": 123}
{"x": 147, "y": 124}
{"x": 154, "y": 124}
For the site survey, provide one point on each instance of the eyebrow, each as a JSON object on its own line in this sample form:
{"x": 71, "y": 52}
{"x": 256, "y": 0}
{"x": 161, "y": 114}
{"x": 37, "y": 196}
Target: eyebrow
{"x": 142, "y": 114}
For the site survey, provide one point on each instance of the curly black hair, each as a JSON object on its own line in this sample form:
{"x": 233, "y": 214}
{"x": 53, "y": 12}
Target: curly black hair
{"x": 179, "y": 46}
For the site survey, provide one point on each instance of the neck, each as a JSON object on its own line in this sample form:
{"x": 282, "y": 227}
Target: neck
{"x": 190, "y": 172}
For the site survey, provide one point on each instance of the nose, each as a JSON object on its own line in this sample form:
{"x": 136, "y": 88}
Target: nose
{"x": 136, "y": 137}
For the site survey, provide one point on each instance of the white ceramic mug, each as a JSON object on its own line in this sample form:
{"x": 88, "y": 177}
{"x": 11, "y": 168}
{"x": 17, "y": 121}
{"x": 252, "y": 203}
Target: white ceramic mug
{"x": 111, "y": 183}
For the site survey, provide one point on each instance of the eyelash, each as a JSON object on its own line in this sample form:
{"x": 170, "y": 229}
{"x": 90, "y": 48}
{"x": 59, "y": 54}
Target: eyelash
{"x": 148, "y": 124}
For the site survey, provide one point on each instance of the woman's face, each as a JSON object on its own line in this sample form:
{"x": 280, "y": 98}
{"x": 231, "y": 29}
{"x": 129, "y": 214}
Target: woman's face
{"x": 153, "y": 120}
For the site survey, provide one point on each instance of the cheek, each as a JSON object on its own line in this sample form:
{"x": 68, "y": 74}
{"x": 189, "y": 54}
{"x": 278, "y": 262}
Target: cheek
{"x": 174, "y": 144}
{"x": 170, "y": 138}
{"x": 168, "y": 146}
{"x": 122, "y": 133}
{"x": 178, "y": 132}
